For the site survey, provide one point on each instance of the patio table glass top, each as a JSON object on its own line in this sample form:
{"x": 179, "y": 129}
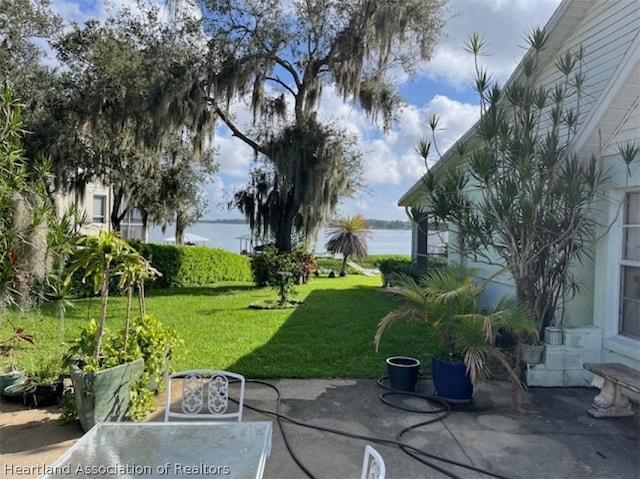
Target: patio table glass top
{"x": 192, "y": 449}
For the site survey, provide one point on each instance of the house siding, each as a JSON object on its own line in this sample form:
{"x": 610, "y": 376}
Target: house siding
{"x": 609, "y": 32}
{"x": 606, "y": 32}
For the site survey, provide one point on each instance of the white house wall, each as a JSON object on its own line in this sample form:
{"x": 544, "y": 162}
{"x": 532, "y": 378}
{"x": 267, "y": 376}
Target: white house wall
{"x": 85, "y": 206}
{"x": 607, "y": 270}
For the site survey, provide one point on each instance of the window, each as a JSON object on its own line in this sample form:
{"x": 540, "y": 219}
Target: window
{"x": 629, "y": 324}
{"x": 99, "y": 208}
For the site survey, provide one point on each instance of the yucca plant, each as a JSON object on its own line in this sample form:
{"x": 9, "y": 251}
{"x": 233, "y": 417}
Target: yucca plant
{"x": 447, "y": 301}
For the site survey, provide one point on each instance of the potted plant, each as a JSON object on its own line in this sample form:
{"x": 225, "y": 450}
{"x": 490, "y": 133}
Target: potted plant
{"x": 103, "y": 372}
{"x": 43, "y": 385}
{"x": 531, "y": 348}
{"x": 447, "y": 302}
{"x": 403, "y": 372}
{"x": 9, "y": 374}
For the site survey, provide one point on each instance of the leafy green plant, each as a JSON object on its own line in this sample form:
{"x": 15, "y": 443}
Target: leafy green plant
{"x": 156, "y": 344}
{"x": 100, "y": 256}
{"x": 23, "y": 204}
{"x": 145, "y": 338}
{"x": 18, "y": 335}
{"x": 83, "y": 350}
{"x": 392, "y": 267}
{"x": 447, "y": 302}
{"x": 307, "y": 264}
{"x": 44, "y": 369}
{"x": 522, "y": 199}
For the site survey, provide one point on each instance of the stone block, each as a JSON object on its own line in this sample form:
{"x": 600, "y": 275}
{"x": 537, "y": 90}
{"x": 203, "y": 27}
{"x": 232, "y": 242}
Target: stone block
{"x": 591, "y": 356}
{"x": 572, "y": 359}
{"x": 577, "y": 378}
{"x": 544, "y": 377}
{"x": 588, "y": 337}
{"x": 561, "y": 357}
{"x": 553, "y": 356}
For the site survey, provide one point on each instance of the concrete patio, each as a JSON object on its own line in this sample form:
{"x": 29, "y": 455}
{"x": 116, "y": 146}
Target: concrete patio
{"x": 551, "y": 436}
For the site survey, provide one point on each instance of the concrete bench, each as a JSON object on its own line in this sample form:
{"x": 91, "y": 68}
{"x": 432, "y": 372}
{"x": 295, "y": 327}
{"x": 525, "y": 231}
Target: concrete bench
{"x": 611, "y": 378}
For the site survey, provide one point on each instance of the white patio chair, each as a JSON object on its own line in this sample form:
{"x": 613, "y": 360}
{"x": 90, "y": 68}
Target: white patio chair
{"x": 202, "y": 387}
{"x": 373, "y": 464}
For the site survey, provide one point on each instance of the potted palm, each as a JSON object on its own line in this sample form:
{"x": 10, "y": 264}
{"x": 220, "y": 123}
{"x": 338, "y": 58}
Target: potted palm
{"x": 447, "y": 302}
{"x": 103, "y": 372}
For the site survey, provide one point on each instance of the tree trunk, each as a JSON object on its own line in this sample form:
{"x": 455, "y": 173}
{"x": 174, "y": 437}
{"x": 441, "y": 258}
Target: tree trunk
{"x": 180, "y": 229}
{"x": 116, "y": 217}
{"x": 343, "y": 269}
{"x": 525, "y": 294}
{"x": 104, "y": 296}
{"x": 283, "y": 230}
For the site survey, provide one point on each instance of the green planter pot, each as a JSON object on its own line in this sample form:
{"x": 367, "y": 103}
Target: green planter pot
{"x": 532, "y": 353}
{"x": 8, "y": 377}
{"x": 104, "y": 395}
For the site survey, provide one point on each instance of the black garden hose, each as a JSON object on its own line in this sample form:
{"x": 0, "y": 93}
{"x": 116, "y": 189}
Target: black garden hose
{"x": 407, "y": 448}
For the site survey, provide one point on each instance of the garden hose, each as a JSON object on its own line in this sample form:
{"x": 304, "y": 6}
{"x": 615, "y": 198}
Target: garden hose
{"x": 412, "y": 451}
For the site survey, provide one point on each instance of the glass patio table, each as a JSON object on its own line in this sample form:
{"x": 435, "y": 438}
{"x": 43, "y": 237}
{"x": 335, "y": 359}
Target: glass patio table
{"x": 192, "y": 449}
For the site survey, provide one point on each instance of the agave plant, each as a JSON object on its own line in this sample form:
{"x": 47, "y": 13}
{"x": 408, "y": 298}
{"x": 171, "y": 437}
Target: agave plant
{"x": 447, "y": 301}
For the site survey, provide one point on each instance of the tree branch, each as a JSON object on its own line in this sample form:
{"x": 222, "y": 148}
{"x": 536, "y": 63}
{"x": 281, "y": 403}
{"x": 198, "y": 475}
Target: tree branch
{"x": 236, "y": 131}
{"x": 281, "y": 83}
{"x": 287, "y": 66}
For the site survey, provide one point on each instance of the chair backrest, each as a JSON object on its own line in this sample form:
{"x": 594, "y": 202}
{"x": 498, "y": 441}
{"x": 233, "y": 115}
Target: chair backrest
{"x": 205, "y": 395}
{"x": 373, "y": 464}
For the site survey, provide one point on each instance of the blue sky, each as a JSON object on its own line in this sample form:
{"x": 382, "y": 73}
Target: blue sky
{"x": 391, "y": 164}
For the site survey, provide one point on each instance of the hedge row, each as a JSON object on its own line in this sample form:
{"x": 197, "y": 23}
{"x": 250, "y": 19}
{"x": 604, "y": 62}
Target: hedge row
{"x": 194, "y": 265}
{"x": 416, "y": 269}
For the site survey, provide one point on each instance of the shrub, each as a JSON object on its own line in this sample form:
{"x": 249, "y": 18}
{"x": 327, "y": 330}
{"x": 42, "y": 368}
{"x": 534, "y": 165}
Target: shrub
{"x": 194, "y": 265}
{"x": 415, "y": 269}
{"x": 300, "y": 263}
{"x": 306, "y": 263}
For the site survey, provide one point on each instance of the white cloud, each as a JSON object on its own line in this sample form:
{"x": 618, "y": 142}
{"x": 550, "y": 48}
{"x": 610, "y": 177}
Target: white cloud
{"x": 233, "y": 155}
{"x": 455, "y": 118}
{"x": 502, "y": 23}
{"x": 391, "y": 163}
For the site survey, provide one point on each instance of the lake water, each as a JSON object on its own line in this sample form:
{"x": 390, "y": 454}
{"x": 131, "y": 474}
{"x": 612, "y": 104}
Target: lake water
{"x": 226, "y": 236}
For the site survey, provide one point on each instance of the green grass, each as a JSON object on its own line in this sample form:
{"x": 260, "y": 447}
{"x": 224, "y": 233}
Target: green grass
{"x": 330, "y": 335}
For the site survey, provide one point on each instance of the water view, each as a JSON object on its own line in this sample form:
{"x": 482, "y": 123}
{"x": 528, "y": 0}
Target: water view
{"x": 227, "y": 236}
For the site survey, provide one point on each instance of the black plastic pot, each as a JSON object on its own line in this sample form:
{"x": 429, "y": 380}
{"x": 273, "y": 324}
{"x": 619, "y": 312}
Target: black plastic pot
{"x": 451, "y": 381}
{"x": 43, "y": 395}
{"x": 403, "y": 372}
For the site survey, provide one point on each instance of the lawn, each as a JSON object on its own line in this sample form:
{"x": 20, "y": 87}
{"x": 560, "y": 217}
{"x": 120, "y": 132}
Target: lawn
{"x": 330, "y": 335}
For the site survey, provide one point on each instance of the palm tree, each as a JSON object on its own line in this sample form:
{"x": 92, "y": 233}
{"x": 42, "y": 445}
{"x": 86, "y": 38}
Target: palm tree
{"x": 348, "y": 237}
{"x": 448, "y": 302}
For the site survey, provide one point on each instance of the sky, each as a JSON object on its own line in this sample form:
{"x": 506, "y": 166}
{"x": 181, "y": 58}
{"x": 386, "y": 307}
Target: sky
{"x": 442, "y": 87}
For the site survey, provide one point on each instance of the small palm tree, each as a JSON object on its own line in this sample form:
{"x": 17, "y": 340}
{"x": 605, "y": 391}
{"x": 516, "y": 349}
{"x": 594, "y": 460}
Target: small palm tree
{"x": 348, "y": 236}
{"x": 447, "y": 302}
